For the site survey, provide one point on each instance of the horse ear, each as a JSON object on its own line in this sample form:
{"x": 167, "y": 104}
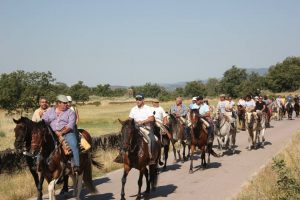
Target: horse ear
{"x": 16, "y": 121}
{"x": 121, "y": 122}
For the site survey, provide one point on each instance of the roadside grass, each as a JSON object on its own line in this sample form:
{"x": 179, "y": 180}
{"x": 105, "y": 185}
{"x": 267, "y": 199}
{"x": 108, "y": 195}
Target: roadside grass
{"x": 280, "y": 179}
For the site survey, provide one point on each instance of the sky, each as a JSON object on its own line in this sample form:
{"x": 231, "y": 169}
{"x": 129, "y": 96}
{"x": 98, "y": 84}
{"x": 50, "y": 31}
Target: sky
{"x": 127, "y": 43}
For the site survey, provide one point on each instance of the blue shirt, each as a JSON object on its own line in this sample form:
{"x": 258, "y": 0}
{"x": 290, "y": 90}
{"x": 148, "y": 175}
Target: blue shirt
{"x": 182, "y": 110}
{"x": 204, "y": 108}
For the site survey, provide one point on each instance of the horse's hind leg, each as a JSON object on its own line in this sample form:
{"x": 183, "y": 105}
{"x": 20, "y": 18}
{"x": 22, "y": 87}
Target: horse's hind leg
{"x": 174, "y": 151}
{"x": 146, "y": 173}
{"x": 78, "y": 186}
{"x": 183, "y": 153}
{"x": 178, "y": 150}
{"x": 125, "y": 173}
{"x": 192, "y": 158}
{"x": 166, "y": 155}
{"x": 40, "y": 186}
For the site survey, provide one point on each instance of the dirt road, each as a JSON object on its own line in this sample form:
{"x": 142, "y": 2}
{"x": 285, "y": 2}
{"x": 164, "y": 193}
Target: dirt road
{"x": 223, "y": 178}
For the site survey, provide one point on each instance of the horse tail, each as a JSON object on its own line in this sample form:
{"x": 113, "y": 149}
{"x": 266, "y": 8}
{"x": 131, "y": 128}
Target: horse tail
{"x": 87, "y": 174}
{"x": 153, "y": 175}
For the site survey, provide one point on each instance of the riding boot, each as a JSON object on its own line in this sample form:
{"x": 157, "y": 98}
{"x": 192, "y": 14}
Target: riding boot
{"x": 151, "y": 146}
{"x": 210, "y": 131}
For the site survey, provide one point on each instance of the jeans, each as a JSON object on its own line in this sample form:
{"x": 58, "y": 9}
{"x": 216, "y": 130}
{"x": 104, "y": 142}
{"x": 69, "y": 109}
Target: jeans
{"x": 73, "y": 143}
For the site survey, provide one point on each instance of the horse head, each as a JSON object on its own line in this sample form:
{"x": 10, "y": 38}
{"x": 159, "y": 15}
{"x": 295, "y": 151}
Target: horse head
{"x": 22, "y": 134}
{"x": 127, "y": 132}
{"x": 194, "y": 118}
{"x": 38, "y": 137}
{"x": 249, "y": 119}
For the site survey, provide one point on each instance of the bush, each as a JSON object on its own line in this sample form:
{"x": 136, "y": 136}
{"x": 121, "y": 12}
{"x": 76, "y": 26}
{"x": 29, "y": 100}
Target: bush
{"x": 2, "y": 134}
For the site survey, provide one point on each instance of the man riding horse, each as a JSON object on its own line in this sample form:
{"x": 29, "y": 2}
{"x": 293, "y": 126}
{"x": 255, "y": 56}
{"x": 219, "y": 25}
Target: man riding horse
{"x": 62, "y": 120}
{"x": 143, "y": 117}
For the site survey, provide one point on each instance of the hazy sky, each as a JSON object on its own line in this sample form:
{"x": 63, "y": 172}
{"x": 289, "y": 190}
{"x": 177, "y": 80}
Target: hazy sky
{"x": 133, "y": 42}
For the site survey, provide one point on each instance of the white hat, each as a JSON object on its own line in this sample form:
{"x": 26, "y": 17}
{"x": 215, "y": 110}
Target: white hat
{"x": 69, "y": 98}
{"x": 62, "y": 98}
{"x": 194, "y": 98}
{"x": 256, "y": 97}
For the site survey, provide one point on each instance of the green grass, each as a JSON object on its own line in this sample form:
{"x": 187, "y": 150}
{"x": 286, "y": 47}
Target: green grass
{"x": 2, "y": 134}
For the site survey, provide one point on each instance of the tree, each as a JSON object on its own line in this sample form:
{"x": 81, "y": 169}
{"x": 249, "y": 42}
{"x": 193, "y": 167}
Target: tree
{"x": 80, "y": 92}
{"x": 231, "y": 81}
{"x": 194, "y": 88}
{"x": 284, "y": 76}
{"x": 253, "y": 85}
{"x": 149, "y": 90}
{"x": 213, "y": 87}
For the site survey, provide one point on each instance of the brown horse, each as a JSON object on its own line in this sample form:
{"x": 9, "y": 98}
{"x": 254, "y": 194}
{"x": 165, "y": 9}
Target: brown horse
{"x": 177, "y": 131}
{"x": 241, "y": 117}
{"x": 136, "y": 156}
{"x": 199, "y": 136}
{"x": 50, "y": 162}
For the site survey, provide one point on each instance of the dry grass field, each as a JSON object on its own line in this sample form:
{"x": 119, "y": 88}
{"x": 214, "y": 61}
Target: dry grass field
{"x": 269, "y": 184}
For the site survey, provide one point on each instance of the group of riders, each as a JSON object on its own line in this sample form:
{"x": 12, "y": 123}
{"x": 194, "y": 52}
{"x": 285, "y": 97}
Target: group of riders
{"x": 62, "y": 118}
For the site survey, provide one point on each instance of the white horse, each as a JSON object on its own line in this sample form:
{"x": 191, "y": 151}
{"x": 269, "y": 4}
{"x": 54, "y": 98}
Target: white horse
{"x": 225, "y": 132}
{"x": 277, "y": 110}
{"x": 256, "y": 126}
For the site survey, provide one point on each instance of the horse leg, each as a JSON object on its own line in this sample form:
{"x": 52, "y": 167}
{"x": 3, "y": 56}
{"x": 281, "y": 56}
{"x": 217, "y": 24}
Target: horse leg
{"x": 125, "y": 174}
{"x": 183, "y": 152}
{"x": 140, "y": 183}
{"x": 146, "y": 173}
{"x": 263, "y": 137}
{"x": 51, "y": 189}
{"x": 65, "y": 186}
{"x": 250, "y": 139}
{"x": 189, "y": 151}
{"x": 174, "y": 151}
{"x": 40, "y": 186}
{"x": 192, "y": 158}
{"x": 79, "y": 185}
{"x": 203, "y": 160}
{"x": 178, "y": 150}
{"x": 233, "y": 137}
{"x": 166, "y": 155}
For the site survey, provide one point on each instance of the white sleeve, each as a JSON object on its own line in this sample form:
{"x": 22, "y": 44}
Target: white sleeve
{"x": 131, "y": 114}
{"x": 149, "y": 112}
{"x": 164, "y": 114}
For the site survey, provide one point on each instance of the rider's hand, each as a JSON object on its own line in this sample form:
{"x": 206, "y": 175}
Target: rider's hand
{"x": 140, "y": 123}
{"x": 58, "y": 133}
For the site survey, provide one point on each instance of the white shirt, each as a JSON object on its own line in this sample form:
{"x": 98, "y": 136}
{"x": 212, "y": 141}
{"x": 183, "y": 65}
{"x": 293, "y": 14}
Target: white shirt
{"x": 140, "y": 114}
{"x": 221, "y": 106}
{"x": 241, "y": 102}
{"x": 204, "y": 108}
{"x": 250, "y": 103}
{"x": 159, "y": 113}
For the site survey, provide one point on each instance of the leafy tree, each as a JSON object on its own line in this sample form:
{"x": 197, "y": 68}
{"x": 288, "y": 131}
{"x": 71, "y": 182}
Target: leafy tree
{"x": 231, "y": 81}
{"x": 80, "y": 92}
{"x": 213, "y": 87}
{"x": 149, "y": 90}
{"x": 252, "y": 85}
{"x": 194, "y": 88}
{"x": 284, "y": 76}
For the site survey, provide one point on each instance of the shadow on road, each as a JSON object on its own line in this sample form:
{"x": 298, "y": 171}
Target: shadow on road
{"x": 229, "y": 152}
{"x": 161, "y": 191}
{"x": 106, "y": 196}
{"x": 101, "y": 181}
{"x": 171, "y": 168}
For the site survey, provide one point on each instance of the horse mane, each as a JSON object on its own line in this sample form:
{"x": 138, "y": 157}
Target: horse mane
{"x": 197, "y": 130}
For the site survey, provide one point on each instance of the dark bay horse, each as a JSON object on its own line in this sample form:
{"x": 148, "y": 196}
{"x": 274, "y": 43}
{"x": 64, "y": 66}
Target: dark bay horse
{"x": 177, "y": 130}
{"x": 296, "y": 106}
{"x": 48, "y": 159}
{"x": 289, "y": 107}
{"x": 136, "y": 156}
{"x": 241, "y": 117}
{"x": 199, "y": 136}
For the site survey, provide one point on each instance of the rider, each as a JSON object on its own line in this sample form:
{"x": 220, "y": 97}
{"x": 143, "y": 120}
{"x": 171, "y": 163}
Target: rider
{"x": 261, "y": 105}
{"x": 205, "y": 113}
{"x": 62, "y": 121}
{"x": 249, "y": 104}
{"x": 222, "y": 104}
{"x": 38, "y": 113}
{"x": 143, "y": 117}
{"x": 180, "y": 110}
{"x": 160, "y": 116}
{"x": 194, "y": 99}
{"x": 74, "y": 108}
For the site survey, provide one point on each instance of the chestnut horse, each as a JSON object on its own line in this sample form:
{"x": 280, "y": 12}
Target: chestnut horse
{"x": 199, "y": 136}
{"x": 136, "y": 155}
{"x": 49, "y": 161}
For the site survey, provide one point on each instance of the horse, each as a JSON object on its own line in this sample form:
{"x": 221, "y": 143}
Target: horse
{"x": 296, "y": 107}
{"x": 261, "y": 128}
{"x": 23, "y": 131}
{"x": 277, "y": 110}
{"x": 199, "y": 136}
{"x": 224, "y": 131}
{"x": 256, "y": 126}
{"x": 49, "y": 161}
{"x": 289, "y": 107}
{"x": 177, "y": 130}
{"x": 136, "y": 155}
{"x": 241, "y": 117}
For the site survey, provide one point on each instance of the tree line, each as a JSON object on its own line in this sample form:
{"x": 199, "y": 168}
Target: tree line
{"x": 21, "y": 90}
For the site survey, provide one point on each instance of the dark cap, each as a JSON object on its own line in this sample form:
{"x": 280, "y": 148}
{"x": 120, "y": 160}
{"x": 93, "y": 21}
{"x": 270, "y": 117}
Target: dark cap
{"x": 199, "y": 98}
{"x": 139, "y": 97}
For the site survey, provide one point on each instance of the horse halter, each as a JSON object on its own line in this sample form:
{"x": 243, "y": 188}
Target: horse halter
{"x": 194, "y": 118}
{"x": 21, "y": 139}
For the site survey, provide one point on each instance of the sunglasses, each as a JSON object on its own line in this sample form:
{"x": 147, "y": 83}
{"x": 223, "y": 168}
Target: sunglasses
{"x": 138, "y": 99}
{"x": 63, "y": 102}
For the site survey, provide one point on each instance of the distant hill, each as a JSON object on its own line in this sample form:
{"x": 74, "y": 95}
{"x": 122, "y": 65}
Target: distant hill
{"x": 260, "y": 71}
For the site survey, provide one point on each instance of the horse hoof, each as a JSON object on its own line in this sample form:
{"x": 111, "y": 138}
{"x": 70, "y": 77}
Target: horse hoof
{"x": 138, "y": 197}
{"x": 147, "y": 191}
{"x": 191, "y": 171}
{"x": 123, "y": 198}
{"x": 164, "y": 168}
{"x": 153, "y": 189}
